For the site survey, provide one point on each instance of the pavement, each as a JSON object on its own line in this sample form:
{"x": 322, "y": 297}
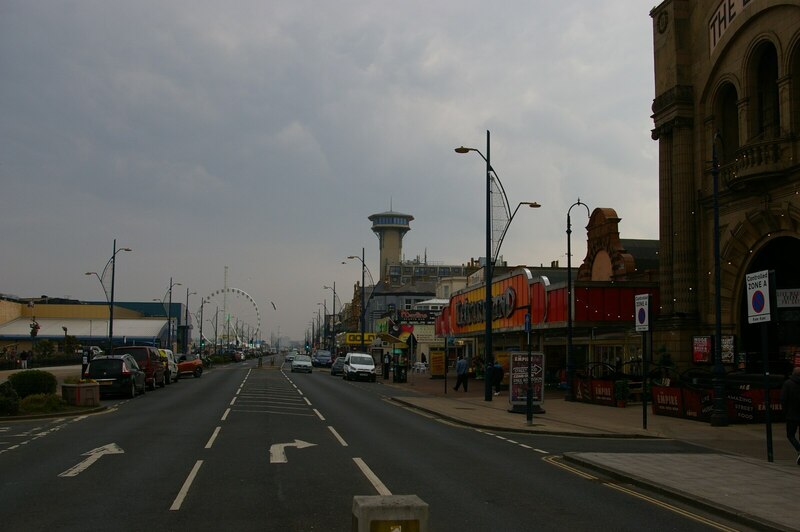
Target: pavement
{"x": 729, "y": 475}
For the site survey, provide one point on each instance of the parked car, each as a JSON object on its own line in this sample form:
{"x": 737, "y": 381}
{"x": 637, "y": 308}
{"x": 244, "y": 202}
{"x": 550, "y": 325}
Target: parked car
{"x": 338, "y": 366}
{"x": 192, "y": 364}
{"x": 359, "y": 366}
{"x": 116, "y": 375}
{"x": 322, "y": 359}
{"x": 168, "y": 358}
{"x": 301, "y": 363}
{"x": 149, "y": 360}
{"x": 291, "y": 354}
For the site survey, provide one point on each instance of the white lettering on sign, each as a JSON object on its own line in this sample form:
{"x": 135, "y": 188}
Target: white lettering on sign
{"x": 722, "y": 18}
{"x": 788, "y": 297}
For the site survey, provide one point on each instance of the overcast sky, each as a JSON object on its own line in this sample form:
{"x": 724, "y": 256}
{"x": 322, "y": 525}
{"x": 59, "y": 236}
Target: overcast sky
{"x": 260, "y": 135}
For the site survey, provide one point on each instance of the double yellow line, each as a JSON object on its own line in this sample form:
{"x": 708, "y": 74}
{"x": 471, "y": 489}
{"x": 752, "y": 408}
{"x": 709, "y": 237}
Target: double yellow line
{"x": 555, "y": 460}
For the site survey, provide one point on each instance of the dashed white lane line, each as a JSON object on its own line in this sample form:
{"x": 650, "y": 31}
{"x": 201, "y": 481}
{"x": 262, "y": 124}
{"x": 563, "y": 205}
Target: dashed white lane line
{"x": 225, "y": 415}
{"x": 213, "y": 437}
{"x": 337, "y": 436}
{"x": 176, "y": 505}
{"x": 319, "y": 415}
{"x": 307, "y": 401}
{"x": 233, "y": 401}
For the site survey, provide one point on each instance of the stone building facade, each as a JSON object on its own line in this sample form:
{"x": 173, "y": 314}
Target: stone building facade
{"x": 727, "y": 89}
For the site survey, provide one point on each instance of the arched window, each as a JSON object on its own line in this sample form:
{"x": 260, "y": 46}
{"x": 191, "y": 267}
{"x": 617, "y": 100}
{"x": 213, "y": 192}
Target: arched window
{"x": 767, "y": 117}
{"x": 726, "y": 115}
{"x": 795, "y": 73}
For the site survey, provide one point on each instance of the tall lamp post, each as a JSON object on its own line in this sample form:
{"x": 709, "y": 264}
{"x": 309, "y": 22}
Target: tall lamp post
{"x": 169, "y": 313}
{"x": 487, "y": 304}
{"x": 363, "y": 303}
{"x": 570, "y": 396}
{"x": 719, "y": 415}
{"x": 187, "y": 325}
{"x": 333, "y": 318}
{"x": 110, "y": 293}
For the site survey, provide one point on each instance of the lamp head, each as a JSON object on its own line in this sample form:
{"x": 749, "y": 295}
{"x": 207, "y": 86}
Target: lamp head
{"x": 533, "y": 204}
{"x": 125, "y": 249}
{"x": 91, "y": 273}
{"x": 463, "y": 149}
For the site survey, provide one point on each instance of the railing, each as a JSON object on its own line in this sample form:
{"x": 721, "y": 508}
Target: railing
{"x": 758, "y": 160}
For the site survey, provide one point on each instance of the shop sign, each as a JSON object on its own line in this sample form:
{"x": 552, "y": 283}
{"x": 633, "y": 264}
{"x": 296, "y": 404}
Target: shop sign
{"x": 518, "y": 382}
{"x": 722, "y": 18}
{"x": 603, "y": 392}
{"x": 418, "y": 316}
{"x": 503, "y": 306}
{"x": 355, "y": 338}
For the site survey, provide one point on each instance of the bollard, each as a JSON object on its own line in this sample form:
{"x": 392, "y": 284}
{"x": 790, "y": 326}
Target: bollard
{"x": 389, "y": 513}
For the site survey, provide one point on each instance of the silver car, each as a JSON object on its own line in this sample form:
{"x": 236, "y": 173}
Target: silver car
{"x": 301, "y": 363}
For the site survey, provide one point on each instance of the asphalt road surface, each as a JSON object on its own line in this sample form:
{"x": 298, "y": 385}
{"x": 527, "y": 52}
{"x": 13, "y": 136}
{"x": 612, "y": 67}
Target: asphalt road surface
{"x": 244, "y": 448}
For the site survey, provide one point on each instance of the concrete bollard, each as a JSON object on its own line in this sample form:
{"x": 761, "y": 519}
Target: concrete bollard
{"x": 390, "y": 513}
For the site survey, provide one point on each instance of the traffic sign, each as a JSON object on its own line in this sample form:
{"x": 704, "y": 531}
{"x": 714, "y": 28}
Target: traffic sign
{"x": 758, "y": 301}
{"x": 642, "y": 309}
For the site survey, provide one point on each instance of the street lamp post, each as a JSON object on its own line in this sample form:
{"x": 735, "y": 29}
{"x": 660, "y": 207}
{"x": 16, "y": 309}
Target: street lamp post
{"x": 187, "y": 325}
{"x": 169, "y": 314}
{"x": 719, "y": 415}
{"x": 110, "y": 293}
{"x": 333, "y": 318}
{"x": 487, "y": 304}
{"x": 363, "y": 302}
{"x": 570, "y": 396}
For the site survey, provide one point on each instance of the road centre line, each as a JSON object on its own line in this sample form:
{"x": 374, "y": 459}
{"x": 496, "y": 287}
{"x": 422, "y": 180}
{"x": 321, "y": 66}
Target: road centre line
{"x": 225, "y": 415}
{"x": 307, "y": 401}
{"x": 321, "y": 417}
{"x": 372, "y": 477}
{"x": 213, "y": 437}
{"x": 337, "y": 436}
{"x": 233, "y": 401}
{"x": 239, "y": 390}
{"x": 176, "y": 504}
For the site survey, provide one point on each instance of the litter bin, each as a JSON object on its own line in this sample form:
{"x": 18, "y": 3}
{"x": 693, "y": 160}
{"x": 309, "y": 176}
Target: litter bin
{"x": 400, "y": 373}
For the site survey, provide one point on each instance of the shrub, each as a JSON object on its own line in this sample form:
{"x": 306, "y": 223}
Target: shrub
{"x": 33, "y": 381}
{"x": 41, "y": 403}
{"x": 9, "y": 400}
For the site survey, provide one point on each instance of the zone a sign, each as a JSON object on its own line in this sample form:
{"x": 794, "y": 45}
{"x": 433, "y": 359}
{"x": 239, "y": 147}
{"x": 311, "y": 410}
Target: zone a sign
{"x": 758, "y": 303}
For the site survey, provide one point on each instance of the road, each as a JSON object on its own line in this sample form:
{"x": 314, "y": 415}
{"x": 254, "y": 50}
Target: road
{"x": 244, "y": 448}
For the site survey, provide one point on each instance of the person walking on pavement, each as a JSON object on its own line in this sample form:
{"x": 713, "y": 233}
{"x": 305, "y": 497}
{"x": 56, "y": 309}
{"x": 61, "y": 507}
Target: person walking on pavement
{"x": 24, "y": 359}
{"x": 497, "y": 376}
{"x": 461, "y": 373}
{"x": 790, "y": 401}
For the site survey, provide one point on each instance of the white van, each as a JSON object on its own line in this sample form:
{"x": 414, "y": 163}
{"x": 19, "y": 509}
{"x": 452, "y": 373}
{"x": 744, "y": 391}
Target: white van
{"x": 358, "y": 366}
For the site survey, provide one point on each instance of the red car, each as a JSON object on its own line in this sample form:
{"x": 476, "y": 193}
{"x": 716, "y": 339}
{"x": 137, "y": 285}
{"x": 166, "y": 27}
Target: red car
{"x": 190, "y": 364}
{"x": 149, "y": 360}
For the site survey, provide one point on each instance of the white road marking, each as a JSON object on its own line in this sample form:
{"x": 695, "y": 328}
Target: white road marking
{"x": 213, "y": 437}
{"x": 277, "y": 451}
{"x": 176, "y": 504}
{"x": 541, "y": 451}
{"x": 91, "y": 457}
{"x": 307, "y": 401}
{"x": 336, "y": 435}
{"x": 319, "y": 415}
{"x": 372, "y": 477}
{"x": 225, "y": 415}
{"x": 233, "y": 401}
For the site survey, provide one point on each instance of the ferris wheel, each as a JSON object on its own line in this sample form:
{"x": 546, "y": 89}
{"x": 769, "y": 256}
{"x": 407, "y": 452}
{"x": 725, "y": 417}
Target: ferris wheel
{"x": 241, "y": 317}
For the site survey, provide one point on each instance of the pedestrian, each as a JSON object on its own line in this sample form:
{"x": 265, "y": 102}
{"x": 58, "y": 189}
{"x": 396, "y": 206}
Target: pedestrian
{"x": 497, "y": 376}
{"x": 790, "y": 401}
{"x": 461, "y": 373}
{"x": 23, "y": 357}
